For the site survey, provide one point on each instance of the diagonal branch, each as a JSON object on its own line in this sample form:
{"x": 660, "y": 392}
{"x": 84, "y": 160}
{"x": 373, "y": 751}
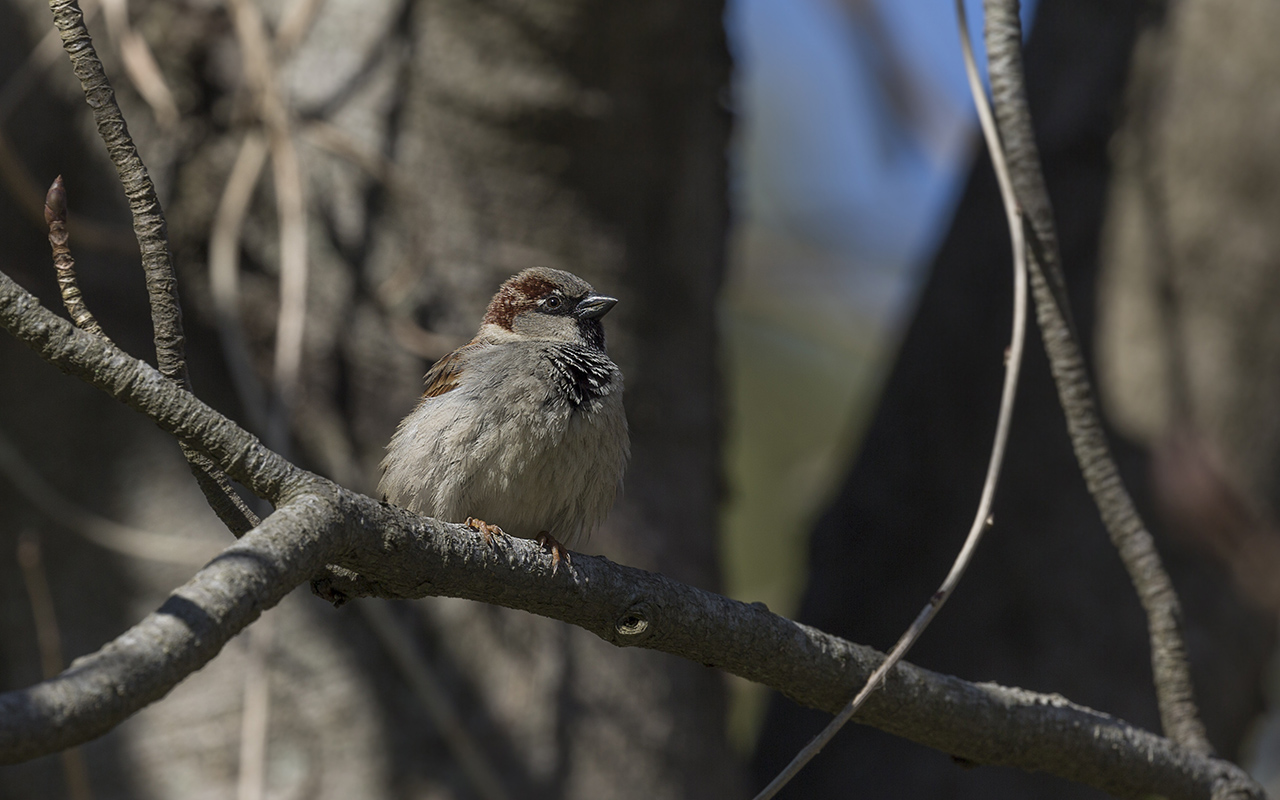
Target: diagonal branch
{"x": 385, "y": 551}
{"x": 1172, "y": 674}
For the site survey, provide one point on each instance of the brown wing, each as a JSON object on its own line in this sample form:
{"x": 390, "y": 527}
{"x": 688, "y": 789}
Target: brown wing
{"x": 445, "y": 373}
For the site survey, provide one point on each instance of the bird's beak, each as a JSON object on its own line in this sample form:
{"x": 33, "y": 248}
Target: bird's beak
{"x": 594, "y": 306}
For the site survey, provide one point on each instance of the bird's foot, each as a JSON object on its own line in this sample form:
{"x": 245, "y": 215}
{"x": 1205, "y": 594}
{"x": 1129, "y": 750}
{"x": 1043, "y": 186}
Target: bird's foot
{"x": 489, "y": 532}
{"x": 558, "y": 551}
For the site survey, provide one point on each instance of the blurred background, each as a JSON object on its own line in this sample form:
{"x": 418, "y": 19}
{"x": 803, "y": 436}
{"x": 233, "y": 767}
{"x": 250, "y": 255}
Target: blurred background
{"x": 789, "y": 198}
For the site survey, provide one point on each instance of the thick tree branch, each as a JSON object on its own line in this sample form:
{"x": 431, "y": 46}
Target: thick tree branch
{"x": 385, "y": 551}
{"x": 1174, "y": 693}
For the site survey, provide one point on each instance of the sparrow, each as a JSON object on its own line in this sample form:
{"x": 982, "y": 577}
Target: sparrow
{"x": 520, "y": 431}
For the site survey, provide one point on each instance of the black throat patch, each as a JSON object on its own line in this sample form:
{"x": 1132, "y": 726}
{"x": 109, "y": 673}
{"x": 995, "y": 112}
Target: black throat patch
{"x": 584, "y": 373}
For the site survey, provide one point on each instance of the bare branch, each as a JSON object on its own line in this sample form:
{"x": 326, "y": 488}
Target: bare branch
{"x": 1128, "y": 533}
{"x": 140, "y": 64}
{"x": 148, "y": 218}
{"x": 150, "y": 229}
{"x": 224, "y": 275}
{"x": 385, "y": 551}
{"x": 141, "y": 387}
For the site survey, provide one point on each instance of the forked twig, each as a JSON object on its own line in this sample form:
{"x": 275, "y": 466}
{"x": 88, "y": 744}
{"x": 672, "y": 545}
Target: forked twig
{"x": 1178, "y": 714}
{"x": 389, "y": 552}
{"x": 982, "y": 519}
{"x": 150, "y": 229}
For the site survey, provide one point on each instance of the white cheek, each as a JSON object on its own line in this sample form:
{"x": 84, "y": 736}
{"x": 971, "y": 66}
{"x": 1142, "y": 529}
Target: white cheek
{"x": 490, "y": 332}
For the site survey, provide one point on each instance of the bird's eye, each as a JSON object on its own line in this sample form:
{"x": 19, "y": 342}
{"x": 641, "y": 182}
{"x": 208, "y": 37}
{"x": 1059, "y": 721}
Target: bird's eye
{"x": 552, "y": 303}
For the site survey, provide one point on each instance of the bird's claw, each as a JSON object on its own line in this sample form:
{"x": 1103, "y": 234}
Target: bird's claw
{"x": 485, "y": 529}
{"x": 558, "y": 551}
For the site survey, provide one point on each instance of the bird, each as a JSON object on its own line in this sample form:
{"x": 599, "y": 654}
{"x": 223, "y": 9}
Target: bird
{"x": 522, "y": 430}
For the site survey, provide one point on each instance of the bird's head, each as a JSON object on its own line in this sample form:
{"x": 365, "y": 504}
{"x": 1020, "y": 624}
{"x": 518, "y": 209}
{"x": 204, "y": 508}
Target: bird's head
{"x": 547, "y": 304}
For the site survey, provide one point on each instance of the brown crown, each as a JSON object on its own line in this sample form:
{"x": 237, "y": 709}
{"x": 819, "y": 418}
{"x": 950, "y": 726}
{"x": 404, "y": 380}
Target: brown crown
{"x": 521, "y": 292}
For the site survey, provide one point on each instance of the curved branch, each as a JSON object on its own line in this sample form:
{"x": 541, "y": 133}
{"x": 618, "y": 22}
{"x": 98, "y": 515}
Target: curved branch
{"x": 385, "y": 551}
{"x": 1174, "y": 693}
{"x": 982, "y": 517}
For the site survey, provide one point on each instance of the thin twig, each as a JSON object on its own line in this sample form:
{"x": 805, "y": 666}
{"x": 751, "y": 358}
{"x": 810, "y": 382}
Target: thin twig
{"x": 224, "y": 277}
{"x": 296, "y": 24}
{"x": 982, "y": 518}
{"x": 150, "y": 228}
{"x": 291, "y": 209}
{"x": 1172, "y": 673}
{"x": 28, "y": 195}
{"x": 49, "y": 641}
{"x": 55, "y": 216}
{"x": 148, "y": 217}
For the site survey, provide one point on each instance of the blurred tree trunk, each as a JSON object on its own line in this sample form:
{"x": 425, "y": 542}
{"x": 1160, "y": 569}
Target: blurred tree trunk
{"x": 446, "y": 145}
{"x": 1192, "y": 257}
{"x": 1191, "y": 270}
